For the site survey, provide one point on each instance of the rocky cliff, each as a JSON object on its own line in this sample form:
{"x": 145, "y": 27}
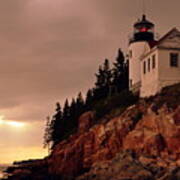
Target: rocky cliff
{"x": 142, "y": 143}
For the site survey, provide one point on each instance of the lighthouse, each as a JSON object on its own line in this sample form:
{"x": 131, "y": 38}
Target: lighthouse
{"x": 139, "y": 44}
{"x": 153, "y": 64}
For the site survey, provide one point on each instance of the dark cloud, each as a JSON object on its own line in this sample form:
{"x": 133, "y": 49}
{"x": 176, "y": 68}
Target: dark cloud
{"x": 51, "y": 50}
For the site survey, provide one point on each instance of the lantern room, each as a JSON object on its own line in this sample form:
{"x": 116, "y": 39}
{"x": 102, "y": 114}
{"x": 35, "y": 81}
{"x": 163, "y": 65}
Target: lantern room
{"x": 143, "y": 30}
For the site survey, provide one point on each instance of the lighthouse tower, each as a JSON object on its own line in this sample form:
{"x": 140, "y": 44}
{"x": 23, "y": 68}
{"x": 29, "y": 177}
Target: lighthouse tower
{"x": 139, "y": 44}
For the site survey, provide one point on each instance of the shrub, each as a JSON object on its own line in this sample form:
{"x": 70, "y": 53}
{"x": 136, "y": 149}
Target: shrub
{"x": 121, "y": 101}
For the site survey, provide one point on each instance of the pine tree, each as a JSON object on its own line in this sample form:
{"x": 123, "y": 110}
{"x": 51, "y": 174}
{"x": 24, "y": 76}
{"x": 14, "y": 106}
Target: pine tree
{"x": 120, "y": 73}
{"x": 66, "y": 110}
{"x": 104, "y": 80}
{"x": 108, "y": 77}
{"x": 100, "y": 78}
{"x": 47, "y": 134}
{"x": 72, "y": 114}
{"x": 108, "y": 81}
{"x": 80, "y": 105}
{"x": 58, "y": 124}
{"x": 89, "y": 99}
{"x": 66, "y": 116}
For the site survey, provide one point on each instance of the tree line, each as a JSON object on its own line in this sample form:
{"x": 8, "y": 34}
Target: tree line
{"x": 109, "y": 82}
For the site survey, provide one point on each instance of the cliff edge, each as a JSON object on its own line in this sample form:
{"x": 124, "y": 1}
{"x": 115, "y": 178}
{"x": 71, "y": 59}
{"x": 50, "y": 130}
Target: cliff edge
{"x": 142, "y": 143}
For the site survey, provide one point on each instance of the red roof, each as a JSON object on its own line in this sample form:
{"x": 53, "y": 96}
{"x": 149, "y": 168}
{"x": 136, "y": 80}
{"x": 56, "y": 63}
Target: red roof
{"x": 152, "y": 43}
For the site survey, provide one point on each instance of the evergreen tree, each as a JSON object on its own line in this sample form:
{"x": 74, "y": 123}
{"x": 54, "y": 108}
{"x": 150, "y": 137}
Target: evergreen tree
{"x": 108, "y": 77}
{"x": 66, "y": 110}
{"x": 108, "y": 81}
{"x": 56, "y": 126}
{"x": 89, "y": 99}
{"x": 120, "y": 73}
{"x": 47, "y": 134}
{"x": 80, "y": 105}
{"x": 73, "y": 114}
{"x": 66, "y": 116}
{"x": 103, "y": 81}
{"x": 100, "y": 78}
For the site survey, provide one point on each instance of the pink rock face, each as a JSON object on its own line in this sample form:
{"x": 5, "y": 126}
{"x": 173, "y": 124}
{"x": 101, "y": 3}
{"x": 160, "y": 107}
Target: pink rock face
{"x": 85, "y": 121}
{"x": 143, "y": 140}
{"x": 154, "y": 134}
{"x": 81, "y": 150}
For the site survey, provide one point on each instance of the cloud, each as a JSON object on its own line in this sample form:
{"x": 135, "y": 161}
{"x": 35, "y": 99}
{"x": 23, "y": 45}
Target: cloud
{"x": 50, "y": 50}
{"x": 43, "y": 44}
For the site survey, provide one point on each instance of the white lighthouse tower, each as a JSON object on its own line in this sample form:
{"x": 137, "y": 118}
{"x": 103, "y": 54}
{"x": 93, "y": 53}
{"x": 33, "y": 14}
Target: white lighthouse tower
{"x": 139, "y": 44}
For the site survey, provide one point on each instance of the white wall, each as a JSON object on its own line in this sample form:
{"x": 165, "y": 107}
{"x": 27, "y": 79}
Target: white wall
{"x": 168, "y": 75}
{"x": 149, "y": 80}
{"x": 138, "y": 49}
{"x": 163, "y": 75}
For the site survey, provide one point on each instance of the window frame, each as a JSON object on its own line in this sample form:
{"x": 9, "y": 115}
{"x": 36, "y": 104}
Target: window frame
{"x": 144, "y": 67}
{"x": 149, "y": 64}
{"x": 130, "y": 54}
{"x": 154, "y": 61}
{"x": 130, "y": 83}
{"x": 174, "y": 60}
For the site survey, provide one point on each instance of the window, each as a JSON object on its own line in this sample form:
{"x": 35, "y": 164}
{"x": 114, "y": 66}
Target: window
{"x": 174, "y": 59}
{"x": 130, "y": 53}
{"x": 130, "y": 82}
{"x": 154, "y": 61}
{"x": 149, "y": 64}
{"x": 144, "y": 67}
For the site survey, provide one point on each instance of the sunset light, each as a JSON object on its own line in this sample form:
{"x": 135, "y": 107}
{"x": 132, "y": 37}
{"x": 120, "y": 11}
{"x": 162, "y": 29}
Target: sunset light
{"x": 89, "y": 90}
{"x": 11, "y": 123}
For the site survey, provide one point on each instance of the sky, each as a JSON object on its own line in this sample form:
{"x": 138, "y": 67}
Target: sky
{"x": 50, "y": 50}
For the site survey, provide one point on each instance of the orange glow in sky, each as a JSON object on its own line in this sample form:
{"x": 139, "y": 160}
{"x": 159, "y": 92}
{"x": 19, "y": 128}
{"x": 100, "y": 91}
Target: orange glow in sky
{"x": 11, "y": 123}
{"x": 20, "y": 140}
{"x": 9, "y": 155}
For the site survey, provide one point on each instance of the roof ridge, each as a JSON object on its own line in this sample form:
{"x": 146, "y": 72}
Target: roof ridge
{"x": 167, "y": 34}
